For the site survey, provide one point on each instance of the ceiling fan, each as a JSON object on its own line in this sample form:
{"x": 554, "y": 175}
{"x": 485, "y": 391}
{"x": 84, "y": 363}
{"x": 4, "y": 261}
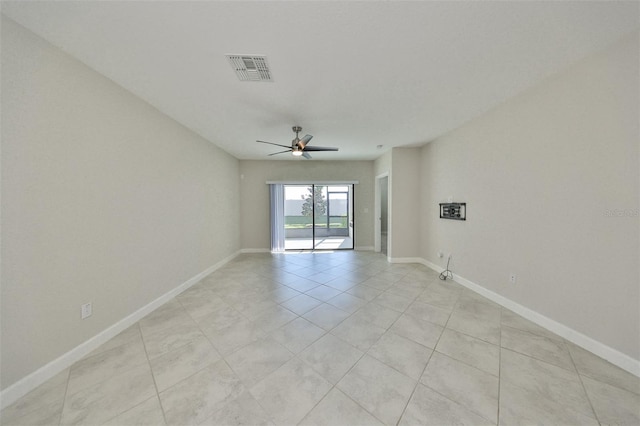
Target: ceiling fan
{"x": 300, "y": 147}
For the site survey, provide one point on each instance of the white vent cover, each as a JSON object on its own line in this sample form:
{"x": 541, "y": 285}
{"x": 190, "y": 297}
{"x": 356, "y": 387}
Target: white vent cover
{"x": 250, "y": 67}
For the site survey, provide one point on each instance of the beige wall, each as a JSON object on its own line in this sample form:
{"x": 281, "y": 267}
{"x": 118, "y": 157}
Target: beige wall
{"x": 540, "y": 175}
{"x": 382, "y": 164}
{"x": 104, "y": 199}
{"x": 405, "y": 207}
{"x": 254, "y": 194}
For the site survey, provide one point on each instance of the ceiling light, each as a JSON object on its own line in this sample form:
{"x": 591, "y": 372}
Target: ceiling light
{"x": 296, "y": 153}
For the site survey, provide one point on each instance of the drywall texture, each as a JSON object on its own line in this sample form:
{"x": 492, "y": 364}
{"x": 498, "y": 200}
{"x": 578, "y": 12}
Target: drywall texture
{"x": 550, "y": 179}
{"x": 104, "y": 199}
{"x": 405, "y": 206}
{"x": 254, "y": 194}
{"x": 382, "y": 164}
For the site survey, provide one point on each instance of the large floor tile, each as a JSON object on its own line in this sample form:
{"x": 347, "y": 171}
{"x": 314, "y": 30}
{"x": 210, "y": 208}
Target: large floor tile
{"x": 544, "y": 379}
{"x": 364, "y": 292}
{"x": 229, "y": 339}
{"x": 378, "y": 388}
{"x": 109, "y": 398}
{"x": 473, "y": 388}
{"x": 402, "y": 354}
{"x": 168, "y": 315}
{"x": 429, "y": 408}
{"x": 167, "y": 339}
{"x": 282, "y": 293}
{"x": 258, "y": 359}
{"x": 347, "y": 302}
{"x": 198, "y": 397}
{"x": 591, "y": 365}
{"x": 427, "y": 312}
{"x": 342, "y": 283}
{"x": 377, "y": 315}
{"x": 97, "y": 368}
{"x": 41, "y": 405}
{"x": 475, "y": 352}
{"x": 519, "y": 406}
{"x": 127, "y": 336}
{"x": 326, "y": 316}
{"x": 331, "y": 357}
{"x": 200, "y": 304}
{"x": 221, "y": 318}
{"x": 275, "y": 318}
{"x": 360, "y": 333}
{"x": 297, "y": 335}
{"x": 301, "y": 304}
{"x": 440, "y": 295}
{"x": 147, "y": 413}
{"x": 481, "y": 328}
{"x": 513, "y": 320}
{"x": 243, "y": 410}
{"x": 323, "y": 293}
{"x": 549, "y": 350}
{"x": 393, "y": 301}
{"x": 338, "y": 409}
{"x": 613, "y": 405}
{"x": 182, "y": 362}
{"x": 423, "y": 332}
{"x": 290, "y": 392}
{"x": 478, "y": 306}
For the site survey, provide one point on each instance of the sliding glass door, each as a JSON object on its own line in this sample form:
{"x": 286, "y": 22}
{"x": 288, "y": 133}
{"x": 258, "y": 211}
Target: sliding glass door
{"x": 318, "y": 217}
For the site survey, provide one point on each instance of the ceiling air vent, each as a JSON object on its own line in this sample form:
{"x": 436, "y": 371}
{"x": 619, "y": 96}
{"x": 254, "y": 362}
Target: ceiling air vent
{"x": 250, "y": 68}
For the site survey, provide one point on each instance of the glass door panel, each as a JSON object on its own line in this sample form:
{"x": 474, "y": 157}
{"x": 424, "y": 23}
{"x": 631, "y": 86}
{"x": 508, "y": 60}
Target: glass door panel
{"x": 298, "y": 217}
{"x": 318, "y": 217}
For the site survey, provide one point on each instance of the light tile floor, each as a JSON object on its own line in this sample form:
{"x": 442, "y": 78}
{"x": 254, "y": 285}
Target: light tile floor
{"x": 340, "y": 338}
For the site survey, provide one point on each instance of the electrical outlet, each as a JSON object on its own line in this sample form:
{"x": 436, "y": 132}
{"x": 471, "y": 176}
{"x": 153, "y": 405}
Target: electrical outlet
{"x": 513, "y": 278}
{"x": 86, "y": 310}
{"x": 440, "y": 254}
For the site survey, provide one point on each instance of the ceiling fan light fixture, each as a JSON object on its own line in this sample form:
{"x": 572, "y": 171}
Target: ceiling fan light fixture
{"x": 296, "y": 153}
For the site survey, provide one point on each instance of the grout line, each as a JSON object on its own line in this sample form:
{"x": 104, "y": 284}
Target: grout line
{"x": 66, "y": 391}
{"x": 153, "y": 377}
{"x": 595, "y": 415}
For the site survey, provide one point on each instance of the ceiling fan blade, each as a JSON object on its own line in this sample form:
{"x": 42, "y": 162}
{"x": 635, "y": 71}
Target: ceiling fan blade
{"x": 304, "y": 141}
{"x": 276, "y": 144}
{"x": 306, "y": 155}
{"x": 320, "y": 148}
{"x": 281, "y": 152}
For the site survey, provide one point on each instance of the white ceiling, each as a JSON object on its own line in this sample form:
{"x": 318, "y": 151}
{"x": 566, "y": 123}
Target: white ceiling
{"x": 353, "y": 74}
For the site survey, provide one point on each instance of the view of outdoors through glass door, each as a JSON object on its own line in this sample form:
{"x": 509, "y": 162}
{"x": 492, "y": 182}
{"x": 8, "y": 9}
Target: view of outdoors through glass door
{"x": 318, "y": 217}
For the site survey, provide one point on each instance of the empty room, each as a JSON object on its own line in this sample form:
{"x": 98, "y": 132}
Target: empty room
{"x": 320, "y": 213}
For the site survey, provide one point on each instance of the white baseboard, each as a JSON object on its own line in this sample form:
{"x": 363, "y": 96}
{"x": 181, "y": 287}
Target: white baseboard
{"x": 364, "y": 248}
{"x": 25, "y": 385}
{"x": 404, "y": 259}
{"x": 603, "y": 351}
{"x": 255, "y": 250}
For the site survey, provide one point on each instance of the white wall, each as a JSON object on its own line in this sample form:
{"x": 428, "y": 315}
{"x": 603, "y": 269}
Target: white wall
{"x": 104, "y": 199}
{"x": 540, "y": 175}
{"x": 254, "y": 194}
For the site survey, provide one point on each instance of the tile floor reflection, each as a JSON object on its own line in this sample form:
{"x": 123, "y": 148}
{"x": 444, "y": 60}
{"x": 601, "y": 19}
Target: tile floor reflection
{"x": 341, "y": 338}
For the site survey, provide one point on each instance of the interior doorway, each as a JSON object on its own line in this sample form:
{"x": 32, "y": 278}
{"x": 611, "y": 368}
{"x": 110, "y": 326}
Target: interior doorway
{"x": 318, "y": 217}
{"x": 384, "y": 214}
{"x": 381, "y": 232}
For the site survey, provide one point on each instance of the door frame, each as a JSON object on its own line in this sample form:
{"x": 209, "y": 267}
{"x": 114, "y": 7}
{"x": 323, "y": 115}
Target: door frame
{"x": 378, "y": 213}
{"x": 350, "y": 208}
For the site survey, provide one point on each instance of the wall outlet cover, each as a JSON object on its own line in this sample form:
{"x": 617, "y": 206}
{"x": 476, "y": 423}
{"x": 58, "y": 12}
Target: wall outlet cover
{"x": 86, "y": 310}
